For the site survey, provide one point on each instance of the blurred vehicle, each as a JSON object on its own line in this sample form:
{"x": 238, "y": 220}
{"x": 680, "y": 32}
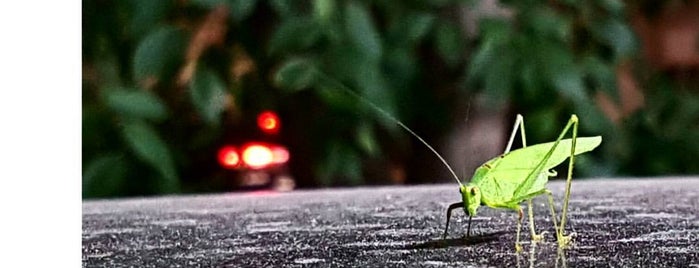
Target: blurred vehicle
{"x": 254, "y": 158}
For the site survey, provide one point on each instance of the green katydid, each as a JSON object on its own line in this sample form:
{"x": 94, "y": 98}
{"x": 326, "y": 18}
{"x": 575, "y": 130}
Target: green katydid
{"x": 512, "y": 177}
{"x": 515, "y": 176}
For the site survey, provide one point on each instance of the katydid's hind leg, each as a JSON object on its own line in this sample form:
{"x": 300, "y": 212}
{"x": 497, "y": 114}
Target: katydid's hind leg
{"x": 565, "y": 240}
{"x": 451, "y": 207}
{"x": 535, "y": 237}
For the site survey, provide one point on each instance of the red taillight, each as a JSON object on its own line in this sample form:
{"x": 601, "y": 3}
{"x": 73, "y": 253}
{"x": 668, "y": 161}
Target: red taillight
{"x": 257, "y": 156}
{"x": 280, "y": 155}
{"x": 268, "y": 122}
{"x": 228, "y": 157}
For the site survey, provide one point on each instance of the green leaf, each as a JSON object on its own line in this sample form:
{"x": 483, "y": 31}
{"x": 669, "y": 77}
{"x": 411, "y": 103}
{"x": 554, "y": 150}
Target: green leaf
{"x": 549, "y": 24}
{"x": 531, "y": 81}
{"x": 498, "y": 80}
{"x": 449, "y": 43}
{"x": 602, "y": 74}
{"x": 400, "y": 67}
{"x": 296, "y": 74}
{"x": 208, "y": 93}
{"x": 614, "y": 7}
{"x": 209, "y": 4}
{"x": 438, "y": 3}
{"x": 323, "y": 10}
{"x": 147, "y": 14}
{"x": 104, "y": 176}
{"x": 563, "y": 74}
{"x": 343, "y": 61}
{"x": 411, "y": 28}
{"x": 335, "y": 98}
{"x": 241, "y": 9}
{"x": 618, "y": 35}
{"x": 495, "y": 30}
{"x": 147, "y": 145}
{"x": 135, "y": 103}
{"x": 158, "y": 54}
{"x": 595, "y": 120}
{"x": 294, "y": 34}
{"x": 367, "y": 140}
{"x": 371, "y": 82}
{"x": 108, "y": 68}
{"x": 495, "y": 34}
{"x": 342, "y": 163}
{"x": 480, "y": 62}
{"x": 284, "y": 8}
{"x": 546, "y": 123}
{"x": 361, "y": 30}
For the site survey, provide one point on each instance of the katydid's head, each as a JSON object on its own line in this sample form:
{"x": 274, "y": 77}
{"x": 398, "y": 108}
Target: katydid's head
{"x": 471, "y": 197}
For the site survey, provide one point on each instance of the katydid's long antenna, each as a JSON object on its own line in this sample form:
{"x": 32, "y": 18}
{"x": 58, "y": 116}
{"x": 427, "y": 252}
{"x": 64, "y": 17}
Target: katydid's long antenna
{"x": 389, "y": 116}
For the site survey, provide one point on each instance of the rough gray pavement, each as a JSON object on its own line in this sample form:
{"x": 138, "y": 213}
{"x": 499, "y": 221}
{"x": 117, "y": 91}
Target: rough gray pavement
{"x": 618, "y": 222}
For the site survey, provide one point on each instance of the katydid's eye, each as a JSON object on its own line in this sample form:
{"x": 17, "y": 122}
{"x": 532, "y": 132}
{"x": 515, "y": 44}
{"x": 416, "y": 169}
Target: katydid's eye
{"x": 473, "y": 191}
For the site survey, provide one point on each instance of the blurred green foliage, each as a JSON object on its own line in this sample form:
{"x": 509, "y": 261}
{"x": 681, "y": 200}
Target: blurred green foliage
{"x": 662, "y": 138}
{"x": 163, "y": 81}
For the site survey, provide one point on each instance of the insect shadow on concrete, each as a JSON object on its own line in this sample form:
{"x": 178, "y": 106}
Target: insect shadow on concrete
{"x": 456, "y": 242}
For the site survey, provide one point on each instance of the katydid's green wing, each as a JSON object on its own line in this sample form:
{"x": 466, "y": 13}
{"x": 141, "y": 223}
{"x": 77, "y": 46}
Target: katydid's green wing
{"x": 517, "y": 166}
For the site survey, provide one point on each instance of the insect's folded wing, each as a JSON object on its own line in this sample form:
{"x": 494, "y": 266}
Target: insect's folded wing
{"x": 529, "y": 157}
{"x": 527, "y": 160}
{"x": 511, "y": 179}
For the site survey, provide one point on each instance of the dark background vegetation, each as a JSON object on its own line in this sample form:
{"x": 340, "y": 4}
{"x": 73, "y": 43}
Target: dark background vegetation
{"x": 165, "y": 82}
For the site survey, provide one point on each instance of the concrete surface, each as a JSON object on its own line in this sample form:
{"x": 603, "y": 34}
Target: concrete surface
{"x": 619, "y": 223}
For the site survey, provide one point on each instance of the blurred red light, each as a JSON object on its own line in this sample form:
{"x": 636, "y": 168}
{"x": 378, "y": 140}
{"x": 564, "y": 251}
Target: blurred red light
{"x": 280, "y": 155}
{"x": 253, "y": 155}
{"x": 228, "y": 157}
{"x": 269, "y": 122}
{"x": 257, "y": 156}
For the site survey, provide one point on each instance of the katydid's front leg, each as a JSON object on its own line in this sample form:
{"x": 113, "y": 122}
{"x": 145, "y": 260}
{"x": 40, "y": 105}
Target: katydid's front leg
{"x": 519, "y": 124}
{"x": 535, "y": 237}
{"x": 518, "y": 246}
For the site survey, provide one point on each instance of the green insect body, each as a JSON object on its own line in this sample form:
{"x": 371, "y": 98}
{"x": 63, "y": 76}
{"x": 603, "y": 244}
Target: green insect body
{"x": 499, "y": 183}
{"x": 515, "y": 176}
